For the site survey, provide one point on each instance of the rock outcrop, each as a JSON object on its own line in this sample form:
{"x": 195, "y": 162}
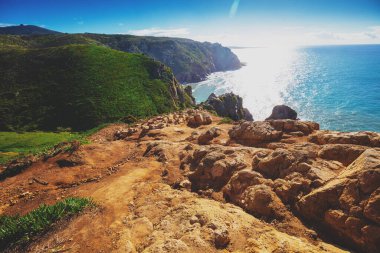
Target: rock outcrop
{"x": 253, "y": 133}
{"x": 228, "y": 105}
{"x": 349, "y": 204}
{"x": 282, "y": 112}
{"x": 186, "y": 183}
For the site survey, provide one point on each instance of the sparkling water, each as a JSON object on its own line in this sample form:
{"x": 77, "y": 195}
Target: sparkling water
{"x": 336, "y": 86}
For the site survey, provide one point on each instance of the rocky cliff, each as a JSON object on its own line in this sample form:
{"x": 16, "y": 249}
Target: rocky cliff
{"x": 191, "y": 61}
{"x": 189, "y": 182}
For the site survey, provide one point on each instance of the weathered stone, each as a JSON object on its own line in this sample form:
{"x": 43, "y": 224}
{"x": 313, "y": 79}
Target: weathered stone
{"x": 253, "y": 133}
{"x": 282, "y": 112}
{"x": 209, "y": 135}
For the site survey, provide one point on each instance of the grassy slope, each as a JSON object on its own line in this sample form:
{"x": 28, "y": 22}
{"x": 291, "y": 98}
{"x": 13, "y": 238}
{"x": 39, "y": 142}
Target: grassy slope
{"x": 13, "y": 145}
{"x": 79, "y": 86}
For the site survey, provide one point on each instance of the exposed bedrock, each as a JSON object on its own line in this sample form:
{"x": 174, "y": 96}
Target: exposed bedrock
{"x": 228, "y": 105}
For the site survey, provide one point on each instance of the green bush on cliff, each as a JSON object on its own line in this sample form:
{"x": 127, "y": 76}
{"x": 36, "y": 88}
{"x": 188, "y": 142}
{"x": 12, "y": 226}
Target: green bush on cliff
{"x": 80, "y": 86}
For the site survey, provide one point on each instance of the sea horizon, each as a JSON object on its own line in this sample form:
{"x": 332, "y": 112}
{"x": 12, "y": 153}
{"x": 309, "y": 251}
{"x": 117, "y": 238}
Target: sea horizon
{"x": 323, "y": 83}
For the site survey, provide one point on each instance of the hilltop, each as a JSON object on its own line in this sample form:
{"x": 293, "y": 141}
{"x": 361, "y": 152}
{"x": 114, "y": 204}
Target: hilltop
{"x": 26, "y": 30}
{"x": 191, "y": 61}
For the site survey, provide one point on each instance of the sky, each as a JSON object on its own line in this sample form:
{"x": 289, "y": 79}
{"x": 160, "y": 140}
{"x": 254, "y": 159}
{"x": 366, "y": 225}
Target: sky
{"x": 230, "y": 22}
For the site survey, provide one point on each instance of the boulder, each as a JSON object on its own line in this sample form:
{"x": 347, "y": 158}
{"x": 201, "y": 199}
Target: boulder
{"x": 348, "y": 205}
{"x": 209, "y": 135}
{"x": 199, "y": 119}
{"x": 282, "y": 112}
{"x": 228, "y": 105}
{"x": 253, "y": 133}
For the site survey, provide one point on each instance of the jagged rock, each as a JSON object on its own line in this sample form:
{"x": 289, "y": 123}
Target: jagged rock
{"x": 339, "y": 204}
{"x": 253, "y": 133}
{"x": 282, "y": 112}
{"x": 272, "y": 165}
{"x": 122, "y": 134}
{"x": 189, "y": 91}
{"x": 344, "y": 153}
{"x": 210, "y": 134}
{"x": 370, "y": 139}
{"x": 294, "y": 126}
{"x": 221, "y": 238}
{"x": 212, "y": 167}
{"x": 228, "y": 105}
{"x": 199, "y": 119}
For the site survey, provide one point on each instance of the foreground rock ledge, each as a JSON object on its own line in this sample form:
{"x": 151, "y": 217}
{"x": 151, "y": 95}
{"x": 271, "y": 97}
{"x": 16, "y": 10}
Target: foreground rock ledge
{"x": 189, "y": 182}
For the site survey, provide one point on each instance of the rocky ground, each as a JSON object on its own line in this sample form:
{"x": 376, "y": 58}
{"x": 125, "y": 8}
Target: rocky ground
{"x": 186, "y": 183}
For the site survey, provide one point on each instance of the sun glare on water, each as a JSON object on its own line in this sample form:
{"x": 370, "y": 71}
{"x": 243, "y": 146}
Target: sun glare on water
{"x": 263, "y": 81}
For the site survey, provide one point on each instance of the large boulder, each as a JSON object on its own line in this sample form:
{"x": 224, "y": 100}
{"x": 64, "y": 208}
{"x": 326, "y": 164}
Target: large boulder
{"x": 348, "y": 205}
{"x": 282, "y": 112}
{"x": 253, "y": 133}
{"x": 228, "y": 105}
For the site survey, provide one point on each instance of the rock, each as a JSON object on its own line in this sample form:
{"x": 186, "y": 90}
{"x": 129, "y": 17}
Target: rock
{"x": 199, "y": 119}
{"x": 294, "y": 127}
{"x": 189, "y": 91}
{"x": 372, "y": 208}
{"x": 209, "y": 135}
{"x": 221, "y": 238}
{"x": 212, "y": 167}
{"x": 121, "y": 135}
{"x": 344, "y": 153}
{"x": 228, "y": 105}
{"x": 282, "y": 112}
{"x": 253, "y": 133}
{"x": 349, "y": 202}
{"x": 369, "y": 139}
{"x": 275, "y": 163}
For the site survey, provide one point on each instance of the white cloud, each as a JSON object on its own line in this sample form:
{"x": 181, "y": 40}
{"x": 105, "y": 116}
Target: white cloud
{"x": 6, "y": 24}
{"x": 80, "y": 22}
{"x": 178, "y": 32}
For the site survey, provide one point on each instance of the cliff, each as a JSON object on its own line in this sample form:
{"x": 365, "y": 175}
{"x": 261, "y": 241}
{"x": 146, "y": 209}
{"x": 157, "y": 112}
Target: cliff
{"x": 191, "y": 61}
{"x": 189, "y": 182}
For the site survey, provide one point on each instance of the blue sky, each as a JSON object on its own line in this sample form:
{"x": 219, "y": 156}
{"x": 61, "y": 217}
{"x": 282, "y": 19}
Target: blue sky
{"x": 231, "y": 22}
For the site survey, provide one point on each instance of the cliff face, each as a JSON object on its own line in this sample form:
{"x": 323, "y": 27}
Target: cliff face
{"x": 190, "y": 60}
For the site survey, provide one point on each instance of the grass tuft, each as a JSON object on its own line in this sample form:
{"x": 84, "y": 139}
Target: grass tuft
{"x": 20, "y": 229}
{"x": 225, "y": 121}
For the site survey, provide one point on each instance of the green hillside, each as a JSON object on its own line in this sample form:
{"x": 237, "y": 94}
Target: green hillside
{"x": 79, "y": 86}
{"x": 191, "y": 61}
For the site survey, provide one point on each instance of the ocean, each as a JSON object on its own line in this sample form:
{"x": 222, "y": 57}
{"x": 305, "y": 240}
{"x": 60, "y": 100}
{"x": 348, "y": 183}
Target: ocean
{"x": 336, "y": 86}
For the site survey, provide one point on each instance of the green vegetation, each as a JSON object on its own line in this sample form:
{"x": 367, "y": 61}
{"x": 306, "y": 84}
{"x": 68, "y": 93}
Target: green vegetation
{"x": 225, "y": 120}
{"x": 191, "y": 61}
{"x": 13, "y": 145}
{"x": 81, "y": 86}
{"x": 20, "y": 229}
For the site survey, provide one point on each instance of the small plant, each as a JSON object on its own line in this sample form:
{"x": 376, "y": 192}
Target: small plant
{"x": 225, "y": 121}
{"x": 20, "y": 229}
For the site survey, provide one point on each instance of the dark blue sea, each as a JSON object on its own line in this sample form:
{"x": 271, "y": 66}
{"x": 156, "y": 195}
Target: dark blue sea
{"x": 336, "y": 86}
